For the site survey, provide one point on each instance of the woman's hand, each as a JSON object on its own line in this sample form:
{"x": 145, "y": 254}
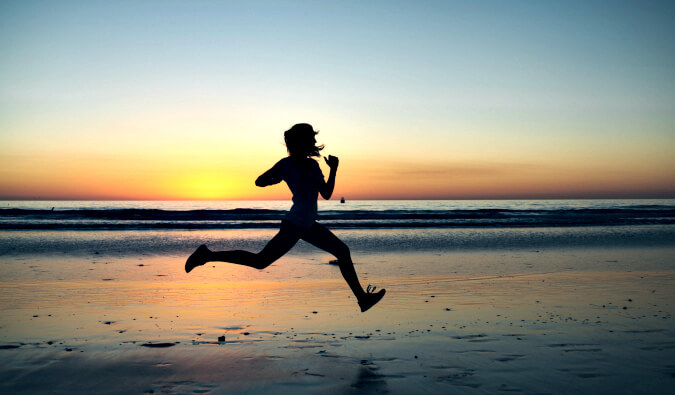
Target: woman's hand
{"x": 326, "y": 189}
{"x": 332, "y": 162}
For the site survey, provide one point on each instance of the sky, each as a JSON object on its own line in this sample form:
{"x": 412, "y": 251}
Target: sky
{"x": 419, "y": 99}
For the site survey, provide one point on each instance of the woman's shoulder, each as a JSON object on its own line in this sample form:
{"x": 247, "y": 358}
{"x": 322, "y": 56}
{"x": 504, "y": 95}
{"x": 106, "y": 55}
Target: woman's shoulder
{"x": 299, "y": 162}
{"x": 283, "y": 161}
{"x": 289, "y": 162}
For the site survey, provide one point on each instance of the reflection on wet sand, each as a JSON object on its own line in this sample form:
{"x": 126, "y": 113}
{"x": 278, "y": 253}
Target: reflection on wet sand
{"x": 571, "y": 330}
{"x": 369, "y": 381}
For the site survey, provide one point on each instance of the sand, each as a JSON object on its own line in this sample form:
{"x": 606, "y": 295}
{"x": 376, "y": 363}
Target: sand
{"x": 567, "y": 320}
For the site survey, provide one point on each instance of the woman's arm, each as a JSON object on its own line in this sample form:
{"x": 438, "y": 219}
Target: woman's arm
{"x": 326, "y": 190}
{"x": 270, "y": 177}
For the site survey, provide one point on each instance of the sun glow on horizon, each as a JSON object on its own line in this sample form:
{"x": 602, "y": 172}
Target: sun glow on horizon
{"x": 205, "y": 186}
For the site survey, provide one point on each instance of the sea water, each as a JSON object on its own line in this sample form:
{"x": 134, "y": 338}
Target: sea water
{"x": 363, "y": 214}
{"x": 177, "y": 227}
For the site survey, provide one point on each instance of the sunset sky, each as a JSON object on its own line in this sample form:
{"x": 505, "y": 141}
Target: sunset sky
{"x": 419, "y": 99}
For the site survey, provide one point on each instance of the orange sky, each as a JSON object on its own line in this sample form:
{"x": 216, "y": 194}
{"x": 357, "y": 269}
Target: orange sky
{"x": 117, "y": 177}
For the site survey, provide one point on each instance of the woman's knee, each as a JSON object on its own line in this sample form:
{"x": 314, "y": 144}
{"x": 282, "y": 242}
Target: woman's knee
{"x": 262, "y": 261}
{"x": 342, "y": 252}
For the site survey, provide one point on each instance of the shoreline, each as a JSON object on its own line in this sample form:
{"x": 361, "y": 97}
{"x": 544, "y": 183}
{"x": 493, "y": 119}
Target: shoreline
{"x": 175, "y": 242}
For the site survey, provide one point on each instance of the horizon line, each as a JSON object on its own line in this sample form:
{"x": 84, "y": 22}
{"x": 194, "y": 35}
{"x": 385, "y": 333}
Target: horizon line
{"x": 335, "y": 199}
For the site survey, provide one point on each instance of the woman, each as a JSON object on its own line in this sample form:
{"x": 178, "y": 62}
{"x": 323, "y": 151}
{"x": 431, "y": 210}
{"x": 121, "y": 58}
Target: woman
{"x": 306, "y": 181}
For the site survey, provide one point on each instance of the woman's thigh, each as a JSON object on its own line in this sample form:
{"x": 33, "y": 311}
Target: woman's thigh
{"x": 319, "y": 236}
{"x": 281, "y": 243}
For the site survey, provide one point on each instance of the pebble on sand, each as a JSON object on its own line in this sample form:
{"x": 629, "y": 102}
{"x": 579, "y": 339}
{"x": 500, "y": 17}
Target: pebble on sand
{"x": 158, "y": 345}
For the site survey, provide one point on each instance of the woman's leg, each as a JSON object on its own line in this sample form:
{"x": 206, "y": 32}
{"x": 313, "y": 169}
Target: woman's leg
{"x": 323, "y": 238}
{"x": 280, "y": 244}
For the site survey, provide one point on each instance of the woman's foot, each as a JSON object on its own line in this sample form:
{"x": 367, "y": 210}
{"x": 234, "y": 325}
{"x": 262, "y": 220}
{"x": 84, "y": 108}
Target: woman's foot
{"x": 197, "y": 258}
{"x": 371, "y": 298}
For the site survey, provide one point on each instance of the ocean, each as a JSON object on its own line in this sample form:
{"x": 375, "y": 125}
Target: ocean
{"x": 359, "y": 214}
{"x": 177, "y": 227}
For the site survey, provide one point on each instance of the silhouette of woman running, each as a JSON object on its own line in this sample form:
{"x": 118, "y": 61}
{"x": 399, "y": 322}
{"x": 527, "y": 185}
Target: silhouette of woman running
{"x": 306, "y": 182}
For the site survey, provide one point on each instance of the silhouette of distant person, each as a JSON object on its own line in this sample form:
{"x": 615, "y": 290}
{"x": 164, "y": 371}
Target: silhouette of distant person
{"x": 306, "y": 181}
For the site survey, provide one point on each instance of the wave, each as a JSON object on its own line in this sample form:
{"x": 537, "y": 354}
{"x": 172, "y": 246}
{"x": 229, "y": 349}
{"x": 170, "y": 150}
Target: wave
{"x": 252, "y": 218}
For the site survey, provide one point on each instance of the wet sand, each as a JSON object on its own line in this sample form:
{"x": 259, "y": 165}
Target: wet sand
{"x": 588, "y": 320}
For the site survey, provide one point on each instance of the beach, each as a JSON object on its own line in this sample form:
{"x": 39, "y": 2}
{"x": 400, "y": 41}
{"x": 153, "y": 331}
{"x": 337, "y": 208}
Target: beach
{"x": 505, "y": 170}
{"x": 540, "y": 316}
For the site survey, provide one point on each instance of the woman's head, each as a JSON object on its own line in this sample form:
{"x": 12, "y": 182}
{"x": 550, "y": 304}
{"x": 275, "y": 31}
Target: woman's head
{"x": 301, "y": 142}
